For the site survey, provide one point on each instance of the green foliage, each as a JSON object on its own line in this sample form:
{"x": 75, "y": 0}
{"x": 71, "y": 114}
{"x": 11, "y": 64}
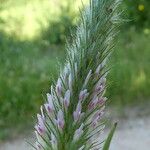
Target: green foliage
{"x": 58, "y": 30}
{"x": 130, "y": 74}
{"x": 25, "y": 72}
{"x": 20, "y": 18}
{"x": 48, "y": 20}
{"x": 138, "y": 12}
{"x": 51, "y": 21}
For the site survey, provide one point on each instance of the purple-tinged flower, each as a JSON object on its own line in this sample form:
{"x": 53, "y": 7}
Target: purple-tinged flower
{"x": 100, "y": 85}
{"x": 59, "y": 87}
{"x": 99, "y": 88}
{"x": 87, "y": 79}
{"x": 60, "y": 119}
{"x": 49, "y": 106}
{"x": 103, "y": 81}
{"x": 95, "y": 119}
{"x": 38, "y": 146}
{"x": 93, "y": 103}
{"x": 77, "y": 112}
{"x": 101, "y": 101}
{"x": 67, "y": 99}
{"x": 40, "y": 127}
{"x": 83, "y": 95}
{"x": 97, "y": 116}
{"x": 78, "y": 133}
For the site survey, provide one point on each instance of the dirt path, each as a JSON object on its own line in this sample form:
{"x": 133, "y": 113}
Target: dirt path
{"x": 134, "y": 135}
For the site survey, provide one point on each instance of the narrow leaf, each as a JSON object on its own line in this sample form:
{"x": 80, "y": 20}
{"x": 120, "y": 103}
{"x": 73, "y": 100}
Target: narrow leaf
{"x": 109, "y": 138}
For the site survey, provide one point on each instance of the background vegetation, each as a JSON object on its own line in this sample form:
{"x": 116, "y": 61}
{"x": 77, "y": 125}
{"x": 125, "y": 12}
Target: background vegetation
{"x": 32, "y": 37}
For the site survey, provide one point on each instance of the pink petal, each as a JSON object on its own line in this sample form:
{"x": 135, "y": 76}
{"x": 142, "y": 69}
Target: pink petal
{"x": 48, "y": 108}
{"x": 60, "y": 119}
{"x": 40, "y": 129}
{"x": 83, "y": 94}
{"x": 102, "y": 100}
{"x": 93, "y": 103}
{"x": 77, "y": 113}
{"x": 67, "y": 98}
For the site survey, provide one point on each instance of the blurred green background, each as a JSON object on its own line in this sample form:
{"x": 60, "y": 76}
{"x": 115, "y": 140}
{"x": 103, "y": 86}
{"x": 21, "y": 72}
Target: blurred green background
{"x": 32, "y": 40}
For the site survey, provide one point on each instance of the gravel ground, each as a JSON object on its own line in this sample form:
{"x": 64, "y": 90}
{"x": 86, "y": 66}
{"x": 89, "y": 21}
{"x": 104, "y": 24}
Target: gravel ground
{"x": 132, "y": 134}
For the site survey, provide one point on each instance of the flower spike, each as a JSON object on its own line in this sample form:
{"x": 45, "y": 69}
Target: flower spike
{"x": 72, "y": 115}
